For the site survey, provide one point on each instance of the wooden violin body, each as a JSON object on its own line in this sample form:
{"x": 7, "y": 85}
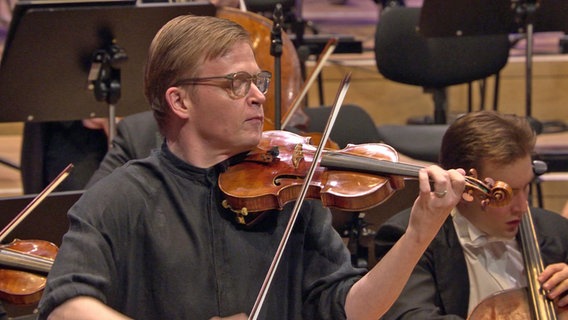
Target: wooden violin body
{"x": 29, "y": 261}
{"x": 265, "y": 181}
{"x": 355, "y": 178}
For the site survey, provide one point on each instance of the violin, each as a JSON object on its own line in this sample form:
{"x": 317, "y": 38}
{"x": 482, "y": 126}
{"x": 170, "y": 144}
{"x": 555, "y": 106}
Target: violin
{"x": 355, "y": 178}
{"x": 27, "y": 261}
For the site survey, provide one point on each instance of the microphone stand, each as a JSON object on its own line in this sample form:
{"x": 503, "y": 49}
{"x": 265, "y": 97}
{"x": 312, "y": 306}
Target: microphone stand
{"x": 276, "y": 48}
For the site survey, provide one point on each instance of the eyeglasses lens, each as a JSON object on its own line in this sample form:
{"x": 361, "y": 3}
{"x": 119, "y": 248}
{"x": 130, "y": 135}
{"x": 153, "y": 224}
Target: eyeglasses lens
{"x": 241, "y": 82}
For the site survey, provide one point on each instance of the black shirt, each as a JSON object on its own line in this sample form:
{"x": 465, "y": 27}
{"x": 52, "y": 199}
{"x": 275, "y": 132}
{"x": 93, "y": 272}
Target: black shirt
{"x": 152, "y": 241}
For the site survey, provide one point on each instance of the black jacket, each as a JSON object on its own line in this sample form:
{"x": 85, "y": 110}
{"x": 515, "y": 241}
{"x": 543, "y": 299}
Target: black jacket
{"x": 439, "y": 285}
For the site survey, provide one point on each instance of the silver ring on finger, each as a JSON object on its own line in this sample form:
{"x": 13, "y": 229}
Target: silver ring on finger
{"x": 440, "y": 194}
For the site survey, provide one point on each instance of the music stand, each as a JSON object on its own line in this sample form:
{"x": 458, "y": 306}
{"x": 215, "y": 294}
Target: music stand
{"x": 70, "y": 60}
{"x": 443, "y": 18}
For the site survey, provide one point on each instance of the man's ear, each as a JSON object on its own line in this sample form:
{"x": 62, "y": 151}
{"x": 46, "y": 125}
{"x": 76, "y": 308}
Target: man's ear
{"x": 178, "y": 105}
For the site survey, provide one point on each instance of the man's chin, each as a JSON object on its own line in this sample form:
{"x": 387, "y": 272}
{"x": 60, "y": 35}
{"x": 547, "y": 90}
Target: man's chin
{"x": 251, "y": 139}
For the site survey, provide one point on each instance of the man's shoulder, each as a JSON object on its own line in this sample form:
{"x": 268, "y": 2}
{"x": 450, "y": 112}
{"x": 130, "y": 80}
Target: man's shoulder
{"x": 548, "y": 219}
{"x": 136, "y": 173}
{"x": 137, "y": 119}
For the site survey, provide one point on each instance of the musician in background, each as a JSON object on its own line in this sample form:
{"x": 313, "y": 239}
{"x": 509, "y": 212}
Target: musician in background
{"x": 477, "y": 251}
{"x": 152, "y": 240}
{"x": 136, "y": 136}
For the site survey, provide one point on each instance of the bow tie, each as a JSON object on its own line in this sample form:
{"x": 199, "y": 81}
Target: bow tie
{"x": 485, "y": 241}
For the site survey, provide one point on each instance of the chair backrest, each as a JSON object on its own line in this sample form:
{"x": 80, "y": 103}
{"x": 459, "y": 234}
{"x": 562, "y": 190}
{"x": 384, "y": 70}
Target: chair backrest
{"x": 403, "y": 55}
{"x": 416, "y": 141}
{"x": 353, "y": 124}
{"x": 269, "y": 5}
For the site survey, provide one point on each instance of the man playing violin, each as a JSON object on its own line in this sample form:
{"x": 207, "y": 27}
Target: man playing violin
{"x": 153, "y": 241}
{"x": 477, "y": 252}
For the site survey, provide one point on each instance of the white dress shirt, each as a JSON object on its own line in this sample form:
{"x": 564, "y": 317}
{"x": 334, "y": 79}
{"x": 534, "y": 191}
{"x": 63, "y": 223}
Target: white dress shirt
{"x": 493, "y": 264}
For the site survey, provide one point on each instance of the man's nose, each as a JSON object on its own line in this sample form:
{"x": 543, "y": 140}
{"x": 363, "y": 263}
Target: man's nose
{"x": 519, "y": 201}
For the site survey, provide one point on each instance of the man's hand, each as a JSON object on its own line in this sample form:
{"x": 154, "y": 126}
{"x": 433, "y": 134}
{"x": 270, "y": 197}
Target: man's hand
{"x": 554, "y": 280}
{"x": 98, "y": 124}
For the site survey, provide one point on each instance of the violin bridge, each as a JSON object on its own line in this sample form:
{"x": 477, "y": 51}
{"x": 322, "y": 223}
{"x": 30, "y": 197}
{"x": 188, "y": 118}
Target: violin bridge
{"x": 297, "y": 155}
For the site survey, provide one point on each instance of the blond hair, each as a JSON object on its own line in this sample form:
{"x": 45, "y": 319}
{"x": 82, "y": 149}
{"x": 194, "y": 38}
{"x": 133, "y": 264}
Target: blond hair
{"x": 177, "y": 51}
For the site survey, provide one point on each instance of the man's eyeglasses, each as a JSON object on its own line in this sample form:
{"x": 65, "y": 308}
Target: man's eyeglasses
{"x": 238, "y": 83}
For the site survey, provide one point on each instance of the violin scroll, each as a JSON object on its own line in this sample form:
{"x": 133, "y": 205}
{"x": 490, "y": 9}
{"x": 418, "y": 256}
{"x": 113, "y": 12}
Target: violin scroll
{"x": 490, "y": 193}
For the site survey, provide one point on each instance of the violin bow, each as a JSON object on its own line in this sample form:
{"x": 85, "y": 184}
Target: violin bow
{"x": 35, "y": 202}
{"x": 243, "y": 5}
{"x": 326, "y": 53}
{"x": 343, "y": 87}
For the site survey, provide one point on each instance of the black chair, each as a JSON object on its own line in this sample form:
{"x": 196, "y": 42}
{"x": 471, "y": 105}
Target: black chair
{"x": 353, "y": 124}
{"x": 420, "y": 142}
{"x": 268, "y": 6}
{"x": 403, "y": 55}
{"x": 292, "y": 20}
